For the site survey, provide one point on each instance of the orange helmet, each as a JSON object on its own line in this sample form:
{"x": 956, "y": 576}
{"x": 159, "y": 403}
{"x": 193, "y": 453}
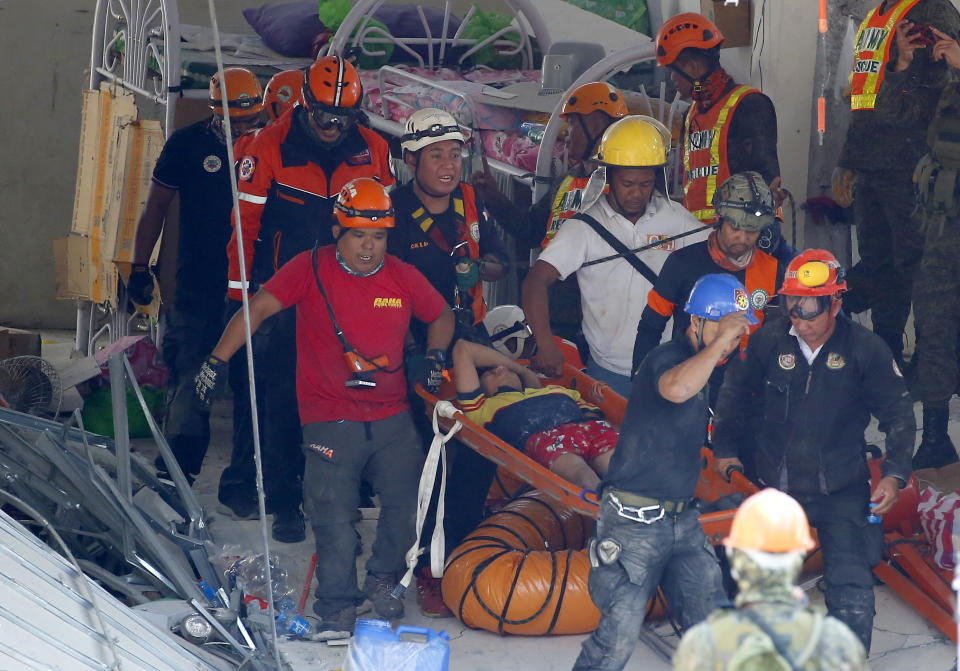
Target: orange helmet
{"x": 364, "y": 203}
{"x": 685, "y": 31}
{"x": 770, "y": 521}
{"x": 816, "y": 272}
{"x": 283, "y": 91}
{"x": 332, "y": 82}
{"x": 595, "y": 96}
{"x": 245, "y": 96}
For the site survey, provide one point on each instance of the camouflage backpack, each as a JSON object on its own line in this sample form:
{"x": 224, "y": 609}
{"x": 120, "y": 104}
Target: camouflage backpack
{"x": 758, "y": 647}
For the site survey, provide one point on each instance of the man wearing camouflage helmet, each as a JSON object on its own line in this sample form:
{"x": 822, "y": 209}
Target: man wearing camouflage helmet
{"x": 745, "y": 206}
{"x": 772, "y": 627}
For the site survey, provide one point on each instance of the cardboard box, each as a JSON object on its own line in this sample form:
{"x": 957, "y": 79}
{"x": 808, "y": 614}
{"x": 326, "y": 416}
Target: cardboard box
{"x": 733, "y": 18}
{"x": 71, "y": 260}
{"x": 14, "y": 342}
{"x": 144, "y": 143}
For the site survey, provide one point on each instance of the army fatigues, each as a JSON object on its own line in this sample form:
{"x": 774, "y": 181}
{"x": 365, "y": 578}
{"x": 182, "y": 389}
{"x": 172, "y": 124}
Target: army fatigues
{"x": 730, "y": 640}
{"x": 883, "y": 144}
{"x": 937, "y": 288}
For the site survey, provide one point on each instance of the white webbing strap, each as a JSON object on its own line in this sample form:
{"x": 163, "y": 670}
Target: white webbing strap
{"x": 437, "y": 456}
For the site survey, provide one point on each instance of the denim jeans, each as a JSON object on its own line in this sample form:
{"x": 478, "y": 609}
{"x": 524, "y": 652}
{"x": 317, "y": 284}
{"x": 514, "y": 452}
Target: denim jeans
{"x": 673, "y": 553}
{"x": 619, "y": 383}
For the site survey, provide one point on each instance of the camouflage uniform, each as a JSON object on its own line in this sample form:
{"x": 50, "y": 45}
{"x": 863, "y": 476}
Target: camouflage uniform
{"x": 936, "y": 295}
{"x": 729, "y": 640}
{"x": 882, "y": 146}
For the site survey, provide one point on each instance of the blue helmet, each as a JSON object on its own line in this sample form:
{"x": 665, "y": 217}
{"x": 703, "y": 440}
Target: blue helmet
{"x": 714, "y": 296}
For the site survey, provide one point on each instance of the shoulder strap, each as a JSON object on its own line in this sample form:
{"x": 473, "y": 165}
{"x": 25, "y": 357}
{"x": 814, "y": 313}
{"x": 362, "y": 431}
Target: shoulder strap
{"x": 618, "y": 247}
{"x": 775, "y": 638}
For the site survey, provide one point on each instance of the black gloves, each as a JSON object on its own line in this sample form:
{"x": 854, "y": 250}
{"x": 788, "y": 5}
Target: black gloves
{"x": 205, "y": 382}
{"x": 433, "y": 372}
{"x": 140, "y": 284}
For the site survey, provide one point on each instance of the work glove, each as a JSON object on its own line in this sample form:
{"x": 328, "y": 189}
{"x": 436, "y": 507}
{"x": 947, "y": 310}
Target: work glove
{"x": 843, "y": 181}
{"x": 468, "y": 274}
{"x": 433, "y": 371}
{"x": 205, "y": 382}
{"x": 140, "y": 284}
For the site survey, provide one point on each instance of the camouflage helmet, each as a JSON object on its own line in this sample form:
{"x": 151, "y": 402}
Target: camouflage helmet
{"x": 745, "y": 201}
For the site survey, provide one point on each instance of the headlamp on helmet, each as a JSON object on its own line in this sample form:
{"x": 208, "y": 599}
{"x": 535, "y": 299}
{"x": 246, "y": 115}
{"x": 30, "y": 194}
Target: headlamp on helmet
{"x": 428, "y": 126}
{"x": 745, "y": 201}
{"x": 364, "y": 203}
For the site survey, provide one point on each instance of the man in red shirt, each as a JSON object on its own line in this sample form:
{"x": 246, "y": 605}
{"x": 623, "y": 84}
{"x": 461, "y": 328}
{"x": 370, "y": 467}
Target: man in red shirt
{"x": 288, "y": 178}
{"x": 353, "y": 305}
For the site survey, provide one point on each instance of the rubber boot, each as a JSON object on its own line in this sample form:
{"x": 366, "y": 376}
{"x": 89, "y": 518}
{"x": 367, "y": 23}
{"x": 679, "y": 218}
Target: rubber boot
{"x": 936, "y": 450}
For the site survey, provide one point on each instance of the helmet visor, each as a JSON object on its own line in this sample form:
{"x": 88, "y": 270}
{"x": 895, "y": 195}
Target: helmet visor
{"x": 806, "y": 307}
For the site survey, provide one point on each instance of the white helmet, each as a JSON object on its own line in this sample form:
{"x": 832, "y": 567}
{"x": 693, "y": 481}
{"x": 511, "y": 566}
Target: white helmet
{"x": 427, "y": 126}
{"x": 509, "y": 332}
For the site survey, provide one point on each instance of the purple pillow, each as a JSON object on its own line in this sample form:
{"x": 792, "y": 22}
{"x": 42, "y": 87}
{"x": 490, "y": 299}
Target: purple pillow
{"x": 288, "y": 28}
{"x": 403, "y": 20}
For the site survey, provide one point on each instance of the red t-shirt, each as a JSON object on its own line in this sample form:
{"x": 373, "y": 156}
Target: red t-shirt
{"x": 374, "y": 313}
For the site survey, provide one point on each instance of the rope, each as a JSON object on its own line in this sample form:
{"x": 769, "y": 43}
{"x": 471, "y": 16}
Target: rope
{"x": 245, "y": 296}
{"x": 436, "y": 456}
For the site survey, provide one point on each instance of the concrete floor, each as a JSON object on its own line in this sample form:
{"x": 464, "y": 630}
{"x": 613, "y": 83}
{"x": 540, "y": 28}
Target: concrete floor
{"x": 902, "y": 639}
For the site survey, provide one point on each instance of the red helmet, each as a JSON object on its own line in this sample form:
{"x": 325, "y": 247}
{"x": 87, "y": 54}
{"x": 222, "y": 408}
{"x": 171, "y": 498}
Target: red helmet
{"x": 332, "y": 82}
{"x": 595, "y": 96}
{"x": 243, "y": 89}
{"x": 816, "y": 272}
{"x": 283, "y": 91}
{"x": 685, "y": 31}
{"x": 364, "y": 203}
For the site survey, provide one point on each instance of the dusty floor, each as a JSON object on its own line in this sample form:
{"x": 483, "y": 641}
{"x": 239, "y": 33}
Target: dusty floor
{"x": 902, "y": 639}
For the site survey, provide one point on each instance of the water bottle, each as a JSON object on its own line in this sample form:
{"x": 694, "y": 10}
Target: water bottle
{"x": 871, "y": 518}
{"x": 533, "y": 130}
{"x": 288, "y": 622}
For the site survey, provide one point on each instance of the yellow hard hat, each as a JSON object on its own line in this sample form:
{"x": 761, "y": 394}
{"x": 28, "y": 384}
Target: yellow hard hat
{"x": 635, "y": 141}
{"x": 770, "y": 521}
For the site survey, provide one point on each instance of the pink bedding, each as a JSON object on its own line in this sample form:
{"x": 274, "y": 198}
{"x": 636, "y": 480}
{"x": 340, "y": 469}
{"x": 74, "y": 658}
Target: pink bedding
{"x": 498, "y": 127}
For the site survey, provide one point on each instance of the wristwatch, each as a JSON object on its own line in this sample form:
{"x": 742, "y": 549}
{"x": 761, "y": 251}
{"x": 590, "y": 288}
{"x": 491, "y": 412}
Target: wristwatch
{"x": 438, "y": 355}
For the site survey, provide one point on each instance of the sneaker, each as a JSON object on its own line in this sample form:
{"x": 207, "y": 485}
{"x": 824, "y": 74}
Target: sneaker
{"x": 379, "y": 588}
{"x": 429, "y": 596}
{"x": 240, "y": 509}
{"x": 340, "y": 622}
{"x": 288, "y": 526}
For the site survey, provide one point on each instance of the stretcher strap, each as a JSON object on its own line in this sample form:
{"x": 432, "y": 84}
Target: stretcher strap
{"x": 437, "y": 456}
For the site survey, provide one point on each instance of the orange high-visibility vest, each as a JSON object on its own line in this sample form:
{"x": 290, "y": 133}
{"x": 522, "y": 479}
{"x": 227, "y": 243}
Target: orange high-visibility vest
{"x": 872, "y": 51}
{"x": 705, "y": 153}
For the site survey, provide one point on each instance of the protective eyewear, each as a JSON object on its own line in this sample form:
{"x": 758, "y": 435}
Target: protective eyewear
{"x": 327, "y": 120}
{"x": 806, "y": 307}
{"x": 434, "y": 130}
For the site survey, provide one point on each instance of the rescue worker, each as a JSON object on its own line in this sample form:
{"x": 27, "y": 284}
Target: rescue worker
{"x": 288, "y": 179}
{"x": 804, "y": 392}
{"x": 443, "y": 231}
{"x": 442, "y": 227}
{"x": 283, "y": 91}
{"x": 937, "y": 285}
{"x": 884, "y": 141}
{"x": 351, "y": 393}
{"x": 193, "y": 164}
{"x": 745, "y": 207}
{"x": 648, "y": 532}
{"x": 772, "y": 626}
{"x": 729, "y": 128}
{"x": 634, "y": 212}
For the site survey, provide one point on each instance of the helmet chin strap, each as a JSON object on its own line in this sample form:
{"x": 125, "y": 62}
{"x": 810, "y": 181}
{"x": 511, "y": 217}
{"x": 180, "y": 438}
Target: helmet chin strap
{"x": 591, "y": 139}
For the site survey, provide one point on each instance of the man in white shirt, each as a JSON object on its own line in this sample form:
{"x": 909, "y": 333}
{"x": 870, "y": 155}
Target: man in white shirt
{"x": 635, "y": 212}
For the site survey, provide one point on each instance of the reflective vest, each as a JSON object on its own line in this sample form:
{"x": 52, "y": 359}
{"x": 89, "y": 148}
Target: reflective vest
{"x": 565, "y": 204}
{"x": 705, "y": 153}
{"x": 872, "y": 51}
{"x": 467, "y": 222}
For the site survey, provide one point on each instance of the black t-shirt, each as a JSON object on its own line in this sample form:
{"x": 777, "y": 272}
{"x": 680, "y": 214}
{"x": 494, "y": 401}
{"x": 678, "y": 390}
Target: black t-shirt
{"x": 194, "y": 162}
{"x": 658, "y": 454}
{"x": 408, "y": 242}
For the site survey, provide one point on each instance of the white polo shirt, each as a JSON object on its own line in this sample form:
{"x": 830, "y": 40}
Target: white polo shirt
{"x": 613, "y": 293}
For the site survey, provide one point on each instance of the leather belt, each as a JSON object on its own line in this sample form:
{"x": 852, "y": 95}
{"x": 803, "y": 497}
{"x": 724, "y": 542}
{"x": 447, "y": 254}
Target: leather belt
{"x": 637, "y": 501}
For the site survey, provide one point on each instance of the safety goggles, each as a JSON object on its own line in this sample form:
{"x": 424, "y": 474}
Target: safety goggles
{"x": 342, "y": 119}
{"x": 806, "y": 307}
{"x": 434, "y": 130}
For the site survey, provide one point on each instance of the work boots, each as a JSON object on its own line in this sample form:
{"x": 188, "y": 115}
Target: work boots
{"x": 936, "y": 450}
